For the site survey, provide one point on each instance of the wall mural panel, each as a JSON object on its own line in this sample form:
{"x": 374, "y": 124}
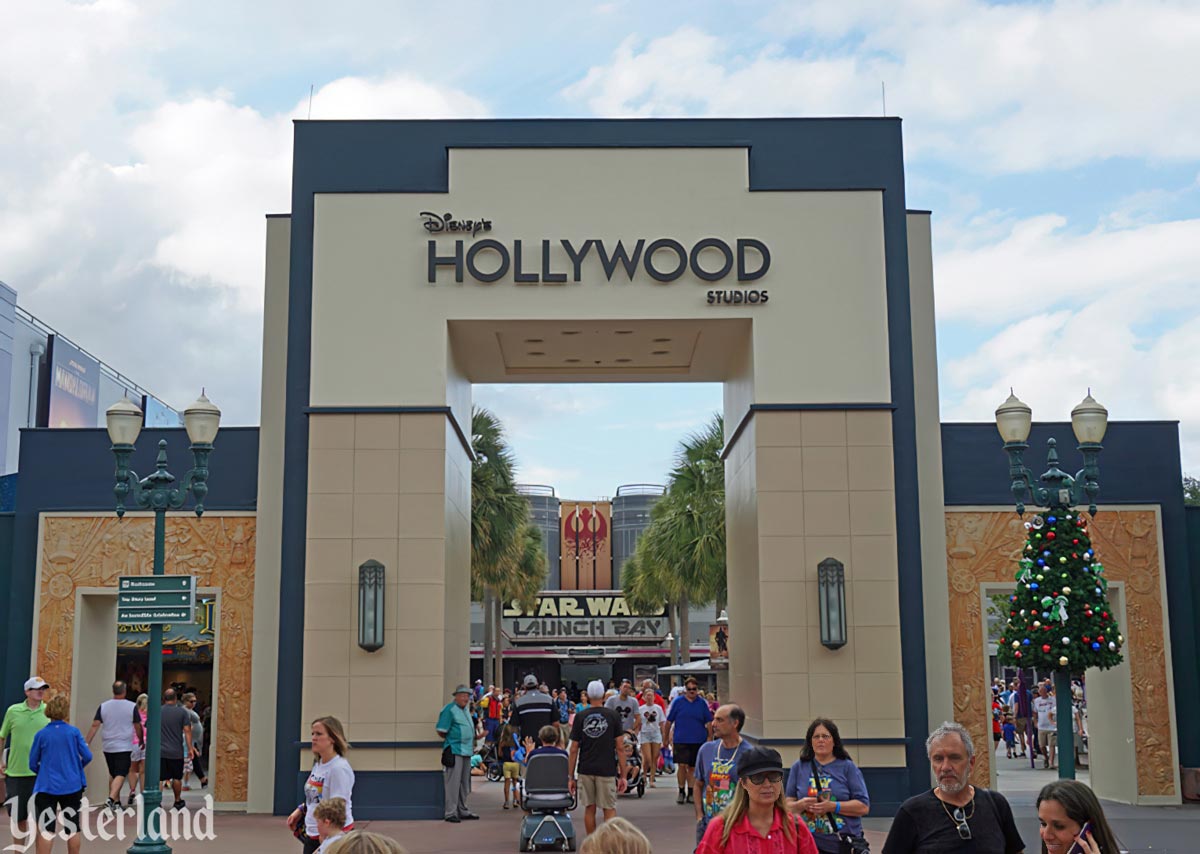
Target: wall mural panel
{"x": 984, "y": 546}
{"x": 92, "y": 551}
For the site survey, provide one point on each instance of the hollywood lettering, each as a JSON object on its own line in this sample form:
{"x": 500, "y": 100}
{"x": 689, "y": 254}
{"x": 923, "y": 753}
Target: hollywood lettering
{"x": 542, "y": 263}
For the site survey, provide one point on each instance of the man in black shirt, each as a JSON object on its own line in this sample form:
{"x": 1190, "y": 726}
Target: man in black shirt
{"x": 954, "y": 818}
{"x": 533, "y": 710}
{"x": 594, "y": 752}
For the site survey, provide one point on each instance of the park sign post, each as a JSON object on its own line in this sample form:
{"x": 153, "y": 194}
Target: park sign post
{"x": 156, "y": 599}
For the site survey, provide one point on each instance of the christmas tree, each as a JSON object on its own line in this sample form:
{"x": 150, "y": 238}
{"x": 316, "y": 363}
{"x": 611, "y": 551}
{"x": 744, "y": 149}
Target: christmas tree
{"x": 1059, "y": 616}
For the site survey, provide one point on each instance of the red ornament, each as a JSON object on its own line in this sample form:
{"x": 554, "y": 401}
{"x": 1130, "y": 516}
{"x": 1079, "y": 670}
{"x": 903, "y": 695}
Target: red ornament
{"x": 1050, "y": 536}
{"x": 1104, "y": 614}
{"x": 1074, "y": 542}
{"x": 1074, "y": 555}
{"x": 1012, "y": 613}
{"x": 1045, "y": 647}
{"x": 1033, "y": 613}
{"x": 1087, "y": 613}
{"x": 1100, "y": 638}
{"x": 1017, "y": 654}
{"x": 1086, "y": 639}
{"x": 1003, "y": 641}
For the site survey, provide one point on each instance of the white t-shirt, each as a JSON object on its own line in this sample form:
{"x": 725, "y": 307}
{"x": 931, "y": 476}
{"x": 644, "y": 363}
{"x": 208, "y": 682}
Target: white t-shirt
{"x": 332, "y": 779}
{"x": 1044, "y": 708}
{"x": 652, "y": 718}
{"x": 116, "y": 718}
{"x": 329, "y": 842}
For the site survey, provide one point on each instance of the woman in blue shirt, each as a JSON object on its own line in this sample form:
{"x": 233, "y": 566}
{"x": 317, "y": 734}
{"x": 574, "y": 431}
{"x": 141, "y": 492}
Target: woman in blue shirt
{"x": 57, "y": 757}
{"x": 826, "y": 789}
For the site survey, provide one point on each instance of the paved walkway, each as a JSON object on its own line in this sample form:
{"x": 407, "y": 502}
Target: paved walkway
{"x": 670, "y": 827}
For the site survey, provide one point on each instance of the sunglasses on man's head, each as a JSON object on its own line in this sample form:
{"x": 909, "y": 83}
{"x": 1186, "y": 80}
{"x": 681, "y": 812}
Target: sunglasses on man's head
{"x": 766, "y": 777}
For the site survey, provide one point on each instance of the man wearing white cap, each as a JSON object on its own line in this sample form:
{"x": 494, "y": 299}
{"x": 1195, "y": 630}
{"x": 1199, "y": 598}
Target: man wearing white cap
{"x": 22, "y": 722}
{"x": 594, "y": 753}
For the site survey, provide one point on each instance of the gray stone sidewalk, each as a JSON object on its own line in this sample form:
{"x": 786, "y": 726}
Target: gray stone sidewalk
{"x": 670, "y": 827}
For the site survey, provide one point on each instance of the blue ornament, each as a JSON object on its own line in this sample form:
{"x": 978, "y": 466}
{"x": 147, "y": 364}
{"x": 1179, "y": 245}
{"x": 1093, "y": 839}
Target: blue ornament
{"x": 1033, "y": 585}
{"x": 1012, "y": 598}
{"x": 1098, "y": 591}
{"x": 1025, "y": 642}
{"x": 1046, "y": 553}
{"x": 1095, "y": 645}
{"x": 1041, "y": 562}
{"x": 1051, "y": 519}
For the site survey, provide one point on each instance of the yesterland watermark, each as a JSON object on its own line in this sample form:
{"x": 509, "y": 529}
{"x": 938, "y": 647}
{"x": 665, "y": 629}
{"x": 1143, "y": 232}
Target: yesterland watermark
{"x": 95, "y": 823}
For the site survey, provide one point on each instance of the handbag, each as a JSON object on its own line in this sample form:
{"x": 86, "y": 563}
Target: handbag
{"x": 298, "y": 831}
{"x": 447, "y": 757}
{"x": 848, "y": 843}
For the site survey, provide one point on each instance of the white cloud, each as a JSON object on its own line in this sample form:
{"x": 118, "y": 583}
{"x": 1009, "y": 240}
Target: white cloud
{"x": 997, "y": 87}
{"x": 132, "y": 214}
{"x": 1114, "y": 310}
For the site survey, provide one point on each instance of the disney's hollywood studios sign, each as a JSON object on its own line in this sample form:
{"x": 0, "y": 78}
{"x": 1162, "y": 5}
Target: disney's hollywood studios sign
{"x": 557, "y": 261}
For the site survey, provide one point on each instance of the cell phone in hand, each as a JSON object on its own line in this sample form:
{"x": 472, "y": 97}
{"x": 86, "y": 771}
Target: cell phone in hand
{"x": 1083, "y": 832}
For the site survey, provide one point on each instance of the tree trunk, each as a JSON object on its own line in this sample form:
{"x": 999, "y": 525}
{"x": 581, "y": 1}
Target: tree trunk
{"x": 685, "y": 644}
{"x": 488, "y": 635}
{"x": 672, "y": 625}
{"x": 497, "y": 606}
{"x": 721, "y": 603}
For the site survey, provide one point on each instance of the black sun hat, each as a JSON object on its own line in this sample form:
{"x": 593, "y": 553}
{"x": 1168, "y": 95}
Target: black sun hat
{"x": 758, "y": 759}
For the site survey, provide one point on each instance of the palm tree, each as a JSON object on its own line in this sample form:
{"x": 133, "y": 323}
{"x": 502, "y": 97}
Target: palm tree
{"x": 680, "y": 557}
{"x": 507, "y": 561}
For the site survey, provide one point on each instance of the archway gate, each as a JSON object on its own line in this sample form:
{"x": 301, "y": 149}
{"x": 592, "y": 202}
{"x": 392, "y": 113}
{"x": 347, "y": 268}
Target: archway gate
{"x": 774, "y": 256}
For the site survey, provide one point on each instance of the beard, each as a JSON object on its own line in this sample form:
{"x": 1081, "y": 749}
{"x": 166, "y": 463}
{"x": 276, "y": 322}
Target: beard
{"x": 952, "y": 786}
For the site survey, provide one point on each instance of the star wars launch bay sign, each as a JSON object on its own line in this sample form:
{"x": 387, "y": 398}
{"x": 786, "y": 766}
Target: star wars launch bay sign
{"x": 558, "y": 261}
{"x": 600, "y": 616}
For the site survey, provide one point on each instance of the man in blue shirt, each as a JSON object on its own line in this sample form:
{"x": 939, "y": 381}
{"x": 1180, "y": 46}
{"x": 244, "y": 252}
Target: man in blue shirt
{"x": 716, "y": 766}
{"x": 691, "y": 722}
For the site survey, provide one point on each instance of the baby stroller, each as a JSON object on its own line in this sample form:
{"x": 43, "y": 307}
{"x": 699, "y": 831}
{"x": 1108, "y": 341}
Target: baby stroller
{"x": 549, "y": 802}
{"x": 491, "y": 760}
{"x": 635, "y": 779}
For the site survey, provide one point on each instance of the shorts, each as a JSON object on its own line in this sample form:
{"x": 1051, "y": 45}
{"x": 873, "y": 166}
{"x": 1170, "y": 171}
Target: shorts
{"x": 139, "y": 752}
{"x": 650, "y": 737}
{"x": 512, "y": 770}
{"x": 597, "y": 791}
{"x": 1047, "y": 738}
{"x": 996, "y": 737}
{"x": 685, "y": 754}
{"x": 46, "y": 804}
{"x": 170, "y": 769}
{"x": 118, "y": 764}
{"x": 20, "y": 788}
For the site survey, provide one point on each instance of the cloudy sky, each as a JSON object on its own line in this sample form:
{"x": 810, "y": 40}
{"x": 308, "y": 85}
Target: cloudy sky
{"x": 1057, "y": 143}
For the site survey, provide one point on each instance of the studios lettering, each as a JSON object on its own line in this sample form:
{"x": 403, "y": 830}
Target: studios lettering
{"x": 560, "y": 261}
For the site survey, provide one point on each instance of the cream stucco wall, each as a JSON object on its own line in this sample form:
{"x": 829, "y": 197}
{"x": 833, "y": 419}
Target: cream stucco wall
{"x": 374, "y": 310}
{"x": 268, "y": 561}
{"x": 931, "y": 496}
{"x": 801, "y": 487}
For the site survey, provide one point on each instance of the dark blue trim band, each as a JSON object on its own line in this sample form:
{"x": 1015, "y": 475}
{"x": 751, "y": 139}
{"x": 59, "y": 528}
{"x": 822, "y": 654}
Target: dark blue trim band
{"x": 381, "y": 745}
{"x": 413, "y": 156}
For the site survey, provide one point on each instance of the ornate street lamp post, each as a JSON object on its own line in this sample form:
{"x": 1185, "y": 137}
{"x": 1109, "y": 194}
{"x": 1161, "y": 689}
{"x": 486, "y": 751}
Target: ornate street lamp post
{"x": 160, "y": 493}
{"x": 1058, "y": 492}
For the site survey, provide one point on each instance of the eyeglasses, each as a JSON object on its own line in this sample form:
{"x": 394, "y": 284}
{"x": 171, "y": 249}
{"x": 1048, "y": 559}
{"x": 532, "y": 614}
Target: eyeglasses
{"x": 692, "y": 690}
{"x": 964, "y": 829}
{"x": 766, "y": 777}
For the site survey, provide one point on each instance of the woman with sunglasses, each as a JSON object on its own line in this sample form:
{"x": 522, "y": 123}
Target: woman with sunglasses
{"x": 826, "y": 789}
{"x": 1064, "y": 808}
{"x": 756, "y": 820}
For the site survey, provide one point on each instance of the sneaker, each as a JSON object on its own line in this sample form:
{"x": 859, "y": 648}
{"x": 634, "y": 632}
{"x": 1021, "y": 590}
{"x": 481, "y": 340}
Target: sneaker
{"x": 682, "y": 799}
{"x": 689, "y": 796}
{"x": 132, "y": 800}
{"x": 111, "y": 805}
{"x": 179, "y": 805}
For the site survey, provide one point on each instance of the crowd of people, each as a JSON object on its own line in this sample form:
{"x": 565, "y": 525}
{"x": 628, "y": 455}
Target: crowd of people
{"x": 44, "y": 761}
{"x": 743, "y": 797}
{"x": 1025, "y": 719}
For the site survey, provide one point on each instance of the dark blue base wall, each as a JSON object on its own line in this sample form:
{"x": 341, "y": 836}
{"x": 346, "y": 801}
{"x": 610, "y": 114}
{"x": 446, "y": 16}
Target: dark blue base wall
{"x": 393, "y": 795}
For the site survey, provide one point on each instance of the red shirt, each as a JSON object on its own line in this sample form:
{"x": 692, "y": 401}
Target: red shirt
{"x": 744, "y": 839}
